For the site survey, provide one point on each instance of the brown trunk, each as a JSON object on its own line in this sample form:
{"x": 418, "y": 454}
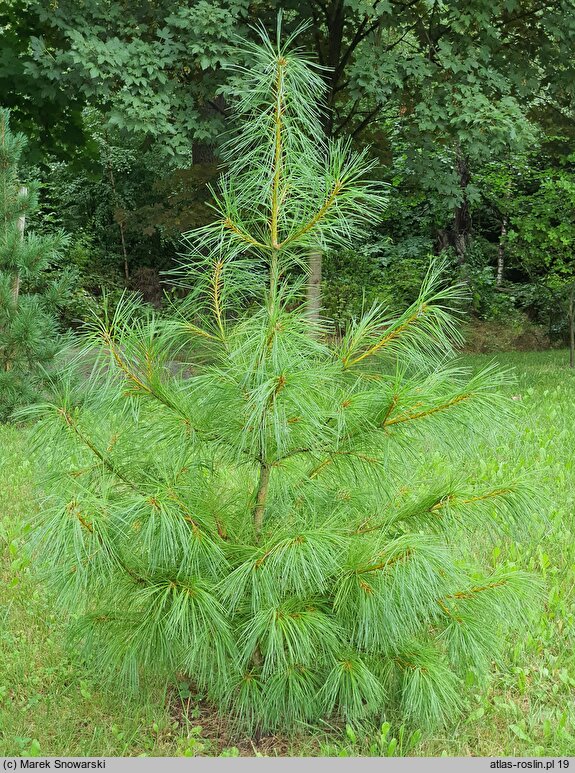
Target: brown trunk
{"x": 121, "y": 227}
{"x": 442, "y": 240}
{"x": 571, "y": 330}
{"x": 462, "y": 216}
{"x": 314, "y": 286}
{"x": 501, "y": 252}
{"x": 460, "y": 244}
{"x": 205, "y": 152}
{"x": 331, "y": 56}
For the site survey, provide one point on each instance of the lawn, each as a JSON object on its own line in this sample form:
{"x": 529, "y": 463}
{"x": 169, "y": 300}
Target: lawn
{"x": 51, "y": 703}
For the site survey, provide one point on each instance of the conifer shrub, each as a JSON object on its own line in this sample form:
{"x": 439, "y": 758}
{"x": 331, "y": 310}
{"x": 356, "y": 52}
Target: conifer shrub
{"x": 28, "y": 299}
{"x": 270, "y": 526}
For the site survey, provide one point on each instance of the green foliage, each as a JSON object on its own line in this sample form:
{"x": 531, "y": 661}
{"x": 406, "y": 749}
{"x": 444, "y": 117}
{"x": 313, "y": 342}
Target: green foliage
{"x": 28, "y": 303}
{"x": 43, "y": 682}
{"x": 49, "y": 114}
{"x": 153, "y": 68}
{"x": 543, "y": 230}
{"x": 457, "y": 104}
{"x": 267, "y": 526}
{"x": 351, "y": 282}
{"x": 156, "y": 69}
{"x": 542, "y": 237}
{"x": 380, "y": 273}
{"x": 126, "y": 211}
{"x": 365, "y": 743}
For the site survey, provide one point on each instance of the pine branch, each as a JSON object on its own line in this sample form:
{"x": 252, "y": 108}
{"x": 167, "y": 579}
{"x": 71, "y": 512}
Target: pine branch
{"x": 384, "y": 565}
{"x": 112, "y": 468}
{"x": 245, "y": 237}
{"x": 103, "y": 457}
{"x": 141, "y": 385}
{"x": 317, "y": 218}
{"x": 388, "y": 337}
{"x": 477, "y": 589}
{"x": 410, "y": 416}
{"x": 217, "y": 290}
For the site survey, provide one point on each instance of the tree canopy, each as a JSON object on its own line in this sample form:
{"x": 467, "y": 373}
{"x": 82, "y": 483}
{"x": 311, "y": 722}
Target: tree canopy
{"x": 441, "y": 92}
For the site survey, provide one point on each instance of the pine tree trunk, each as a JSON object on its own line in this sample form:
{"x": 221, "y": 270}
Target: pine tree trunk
{"x": 261, "y": 496}
{"x": 571, "y": 329}
{"x": 314, "y": 286}
{"x": 501, "y": 252}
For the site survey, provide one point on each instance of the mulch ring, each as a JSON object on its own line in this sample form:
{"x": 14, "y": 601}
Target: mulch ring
{"x": 219, "y": 732}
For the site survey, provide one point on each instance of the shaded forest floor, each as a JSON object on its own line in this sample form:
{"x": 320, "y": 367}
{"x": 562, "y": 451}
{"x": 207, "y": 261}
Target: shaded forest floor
{"x": 53, "y": 704}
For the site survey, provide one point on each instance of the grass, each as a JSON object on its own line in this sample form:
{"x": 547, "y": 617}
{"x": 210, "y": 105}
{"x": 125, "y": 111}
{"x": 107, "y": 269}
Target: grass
{"x": 52, "y": 704}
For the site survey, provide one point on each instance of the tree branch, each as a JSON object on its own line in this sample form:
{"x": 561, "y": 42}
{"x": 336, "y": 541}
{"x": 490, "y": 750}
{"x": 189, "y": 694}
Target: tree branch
{"x": 386, "y": 338}
{"x": 317, "y": 217}
{"x": 422, "y": 414}
{"x": 231, "y": 226}
{"x": 366, "y": 120}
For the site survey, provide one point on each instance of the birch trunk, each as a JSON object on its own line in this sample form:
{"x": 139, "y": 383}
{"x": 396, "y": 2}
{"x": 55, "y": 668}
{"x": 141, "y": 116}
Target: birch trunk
{"x": 501, "y": 252}
{"x": 21, "y": 228}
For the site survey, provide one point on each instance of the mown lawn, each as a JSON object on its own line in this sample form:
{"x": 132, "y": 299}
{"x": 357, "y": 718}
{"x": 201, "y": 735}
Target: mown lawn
{"x": 53, "y": 704}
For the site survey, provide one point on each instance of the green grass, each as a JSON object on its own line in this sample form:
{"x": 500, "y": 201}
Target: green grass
{"x": 51, "y": 703}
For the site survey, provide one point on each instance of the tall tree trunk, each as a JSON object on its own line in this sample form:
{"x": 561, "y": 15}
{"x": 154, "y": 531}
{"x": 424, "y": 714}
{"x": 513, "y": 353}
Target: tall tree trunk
{"x": 314, "y": 285}
{"x": 330, "y": 55}
{"x": 21, "y": 228}
{"x": 442, "y": 240}
{"x": 462, "y": 216}
{"x": 501, "y": 252}
{"x": 121, "y": 227}
{"x": 16, "y": 280}
{"x": 571, "y": 328}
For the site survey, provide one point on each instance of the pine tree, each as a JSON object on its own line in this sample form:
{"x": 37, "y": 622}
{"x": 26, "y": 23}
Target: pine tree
{"x": 28, "y": 329}
{"x": 269, "y": 526}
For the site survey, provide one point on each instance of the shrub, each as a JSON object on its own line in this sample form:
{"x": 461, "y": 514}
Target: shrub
{"x": 356, "y": 280}
{"x": 268, "y": 526}
{"x": 518, "y": 333}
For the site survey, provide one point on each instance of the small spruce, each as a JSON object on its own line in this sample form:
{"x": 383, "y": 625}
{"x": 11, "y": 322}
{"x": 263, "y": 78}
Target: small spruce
{"x": 28, "y": 301}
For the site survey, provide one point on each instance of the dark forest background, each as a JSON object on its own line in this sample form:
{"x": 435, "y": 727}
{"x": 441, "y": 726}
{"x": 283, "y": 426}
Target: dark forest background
{"x": 467, "y": 105}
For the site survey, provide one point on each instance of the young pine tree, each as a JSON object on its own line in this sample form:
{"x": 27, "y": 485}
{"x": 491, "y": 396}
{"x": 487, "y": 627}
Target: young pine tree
{"x": 28, "y": 328}
{"x": 274, "y": 526}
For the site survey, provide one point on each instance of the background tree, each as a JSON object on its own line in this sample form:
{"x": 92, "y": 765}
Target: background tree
{"x": 41, "y": 106}
{"x": 543, "y": 237}
{"x": 451, "y": 78}
{"x": 28, "y": 328}
{"x": 439, "y": 90}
